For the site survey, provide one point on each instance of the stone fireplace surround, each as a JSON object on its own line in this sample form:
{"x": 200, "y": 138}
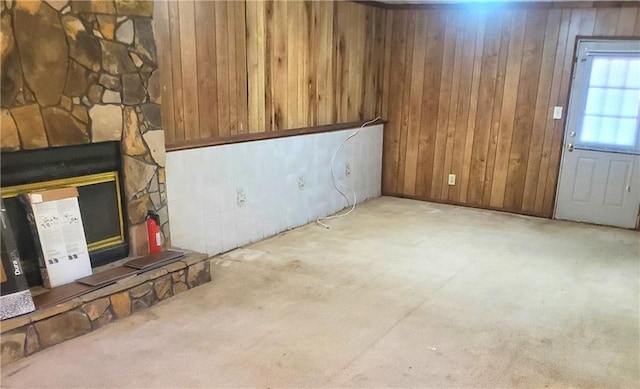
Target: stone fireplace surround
{"x": 80, "y": 72}
{"x": 77, "y": 73}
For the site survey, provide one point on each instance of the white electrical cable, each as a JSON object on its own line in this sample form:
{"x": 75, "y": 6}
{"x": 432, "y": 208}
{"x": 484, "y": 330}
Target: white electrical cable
{"x": 335, "y": 181}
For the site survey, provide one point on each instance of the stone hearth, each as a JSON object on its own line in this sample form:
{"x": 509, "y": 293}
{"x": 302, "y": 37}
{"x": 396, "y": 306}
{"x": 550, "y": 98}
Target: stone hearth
{"x": 27, "y": 334}
{"x": 77, "y": 72}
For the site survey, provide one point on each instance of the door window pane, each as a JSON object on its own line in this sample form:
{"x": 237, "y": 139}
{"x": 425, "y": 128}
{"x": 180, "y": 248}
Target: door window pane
{"x": 595, "y": 101}
{"x": 608, "y": 131}
{"x": 599, "y": 72}
{"x": 612, "y": 103}
{"x": 633, "y": 74}
{"x": 626, "y": 132}
{"x": 630, "y": 103}
{"x": 617, "y": 72}
{"x": 590, "y": 129}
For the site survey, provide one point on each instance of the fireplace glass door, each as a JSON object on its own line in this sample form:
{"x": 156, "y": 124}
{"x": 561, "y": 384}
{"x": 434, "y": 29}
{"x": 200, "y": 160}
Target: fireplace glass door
{"x": 100, "y": 207}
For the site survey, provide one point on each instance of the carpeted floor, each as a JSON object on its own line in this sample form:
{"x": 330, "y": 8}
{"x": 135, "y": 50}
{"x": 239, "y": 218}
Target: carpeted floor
{"x": 399, "y": 293}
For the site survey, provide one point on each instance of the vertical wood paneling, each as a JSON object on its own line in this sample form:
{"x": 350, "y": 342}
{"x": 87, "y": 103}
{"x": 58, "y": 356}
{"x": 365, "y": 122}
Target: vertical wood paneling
{"x": 495, "y": 114}
{"x": 468, "y": 91}
{"x": 175, "y": 66}
{"x": 203, "y": 57}
{"x": 391, "y": 140}
{"x": 255, "y": 12}
{"x": 551, "y": 130}
{"x": 626, "y": 21}
{"x": 486, "y": 98}
{"x": 235, "y": 67}
{"x": 189, "y": 69}
{"x": 491, "y": 77}
{"x": 374, "y": 55}
{"x": 444, "y": 103}
{"x": 606, "y": 21}
{"x": 340, "y": 64}
{"x": 415, "y": 107}
{"x": 292, "y": 50}
{"x": 311, "y": 64}
{"x": 429, "y": 116}
{"x": 541, "y": 117}
{"x": 524, "y": 114}
{"x": 304, "y": 12}
{"x": 206, "y": 63}
{"x": 457, "y": 98}
{"x": 241, "y": 65}
{"x": 406, "y": 98}
{"x": 508, "y": 108}
{"x": 267, "y": 54}
{"x": 232, "y": 69}
{"x": 386, "y": 66}
{"x": 322, "y": 36}
{"x": 470, "y": 33}
{"x": 460, "y": 192}
{"x": 163, "y": 39}
{"x": 222, "y": 67}
{"x": 317, "y": 60}
{"x": 257, "y": 85}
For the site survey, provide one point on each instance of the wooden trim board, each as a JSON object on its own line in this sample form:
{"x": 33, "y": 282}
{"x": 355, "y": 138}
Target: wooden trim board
{"x": 440, "y": 201}
{"x": 250, "y": 137}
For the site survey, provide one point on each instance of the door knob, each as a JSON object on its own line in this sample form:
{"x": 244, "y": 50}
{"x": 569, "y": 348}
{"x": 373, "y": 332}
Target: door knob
{"x": 570, "y": 147}
{"x": 572, "y": 134}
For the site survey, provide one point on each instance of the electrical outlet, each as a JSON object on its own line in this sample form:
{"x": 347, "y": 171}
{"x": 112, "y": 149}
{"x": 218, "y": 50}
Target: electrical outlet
{"x": 301, "y": 182}
{"x": 452, "y": 179}
{"x": 347, "y": 169}
{"x": 241, "y": 197}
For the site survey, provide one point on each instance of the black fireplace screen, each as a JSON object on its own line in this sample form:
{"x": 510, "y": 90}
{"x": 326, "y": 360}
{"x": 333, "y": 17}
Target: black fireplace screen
{"x": 99, "y": 197}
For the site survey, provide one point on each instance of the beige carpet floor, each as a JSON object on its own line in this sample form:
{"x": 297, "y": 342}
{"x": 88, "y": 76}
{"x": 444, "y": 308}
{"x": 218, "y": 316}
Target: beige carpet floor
{"x": 400, "y": 293}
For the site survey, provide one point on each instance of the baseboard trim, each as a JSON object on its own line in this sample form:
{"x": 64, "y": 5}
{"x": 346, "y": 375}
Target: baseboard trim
{"x": 440, "y": 201}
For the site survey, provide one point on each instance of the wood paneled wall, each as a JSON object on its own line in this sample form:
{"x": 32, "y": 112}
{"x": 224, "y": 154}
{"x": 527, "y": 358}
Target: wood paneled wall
{"x": 202, "y": 59}
{"x": 466, "y": 90}
{"x": 313, "y": 63}
{"x": 235, "y": 67}
{"x": 470, "y": 91}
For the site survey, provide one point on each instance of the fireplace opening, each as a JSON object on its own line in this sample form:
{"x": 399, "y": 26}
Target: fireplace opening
{"x": 96, "y": 170}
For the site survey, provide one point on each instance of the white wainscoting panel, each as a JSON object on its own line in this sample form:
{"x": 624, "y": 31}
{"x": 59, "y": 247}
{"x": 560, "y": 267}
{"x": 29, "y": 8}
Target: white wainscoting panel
{"x": 223, "y": 197}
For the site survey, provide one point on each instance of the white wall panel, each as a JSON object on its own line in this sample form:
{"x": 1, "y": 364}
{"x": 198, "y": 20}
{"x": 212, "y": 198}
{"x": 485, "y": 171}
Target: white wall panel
{"x": 223, "y": 197}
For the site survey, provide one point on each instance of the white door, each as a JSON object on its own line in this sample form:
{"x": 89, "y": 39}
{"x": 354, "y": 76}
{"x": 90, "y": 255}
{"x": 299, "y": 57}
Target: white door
{"x": 600, "y": 172}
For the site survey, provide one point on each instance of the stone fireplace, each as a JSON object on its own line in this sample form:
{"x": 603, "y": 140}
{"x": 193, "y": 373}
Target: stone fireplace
{"x": 80, "y": 73}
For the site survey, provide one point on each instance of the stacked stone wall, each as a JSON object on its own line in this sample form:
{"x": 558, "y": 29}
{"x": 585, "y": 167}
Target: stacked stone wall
{"x": 77, "y": 72}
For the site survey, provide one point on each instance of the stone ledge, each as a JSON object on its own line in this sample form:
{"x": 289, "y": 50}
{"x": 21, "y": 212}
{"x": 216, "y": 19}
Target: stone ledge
{"x": 27, "y": 334}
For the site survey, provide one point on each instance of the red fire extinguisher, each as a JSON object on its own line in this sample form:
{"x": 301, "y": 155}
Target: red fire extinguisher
{"x": 153, "y": 229}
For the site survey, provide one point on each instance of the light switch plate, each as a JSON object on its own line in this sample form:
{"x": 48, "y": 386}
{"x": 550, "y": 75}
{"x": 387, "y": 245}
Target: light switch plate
{"x": 557, "y": 112}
